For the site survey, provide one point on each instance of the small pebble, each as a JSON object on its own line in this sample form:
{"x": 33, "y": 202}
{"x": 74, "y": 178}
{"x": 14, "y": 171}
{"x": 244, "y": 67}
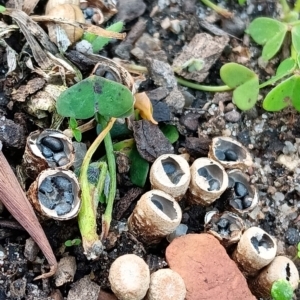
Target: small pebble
{"x": 292, "y": 236}
{"x": 63, "y": 208}
{"x": 53, "y": 143}
{"x": 240, "y": 189}
{"x": 232, "y": 116}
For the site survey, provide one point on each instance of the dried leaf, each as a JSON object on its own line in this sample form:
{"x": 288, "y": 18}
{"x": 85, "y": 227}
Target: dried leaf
{"x": 33, "y": 33}
{"x": 14, "y": 199}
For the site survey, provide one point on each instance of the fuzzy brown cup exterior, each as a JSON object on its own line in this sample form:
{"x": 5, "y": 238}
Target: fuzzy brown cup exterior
{"x": 174, "y": 183}
{"x": 129, "y": 277}
{"x": 198, "y": 189}
{"x": 239, "y": 176}
{"x": 251, "y": 255}
{"x": 166, "y": 284}
{"x": 280, "y": 268}
{"x": 232, "y": 234}
{"x": 35, "y": 162}
{"x": 45, "y": 212}
{"x": 244, "y": 159}
{"x": 156, "y": 215}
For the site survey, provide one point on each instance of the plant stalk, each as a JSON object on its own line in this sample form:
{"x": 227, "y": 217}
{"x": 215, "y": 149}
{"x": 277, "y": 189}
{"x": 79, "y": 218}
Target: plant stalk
{"x": 87, "y": 215}
{"x": 106, "y": 217}
{"x": 222, "y": 11}
{"x": 206, "y": 88}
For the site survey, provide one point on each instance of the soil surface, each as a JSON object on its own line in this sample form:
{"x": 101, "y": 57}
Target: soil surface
{"x": 158, "y": 31}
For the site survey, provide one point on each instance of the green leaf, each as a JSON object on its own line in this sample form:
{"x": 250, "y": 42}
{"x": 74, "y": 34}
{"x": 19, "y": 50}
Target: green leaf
{"x": 139, "y": 168}
{"x": 296, "y": 38}
{"x": 68, "y": 243}
{"x": 286, "y": 67}
{"x": 298, "y": 246}
{"x": 242, "y": 2}
{"x": 268, "y": 32}
{"x": 283, "y": 95}
{"x": 282, "y": 290}
{"x": 2, "y": 8}
{"x": 100, "y": 41}
{"x": 170, "y": 132}
{"x": 77, "y": 134}
{"x": 73, "y": 123}
{"x": 244, "y": 81}
{"x": 95, "y": 94}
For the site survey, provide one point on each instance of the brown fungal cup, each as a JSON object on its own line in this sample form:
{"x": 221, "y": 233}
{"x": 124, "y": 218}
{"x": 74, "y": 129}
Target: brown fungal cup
{"x": 166, "y": 284}
{"x": 245, "y": 196}
{"x": 255, "y": 250}
{"x": 129, "y": 277}
{"x": 156, "y": 215}
{"x": 47, "y": 149}
{"x": 55, "y": 194}
{"x": 208, "y": 181}
{"x": 230, "y": 153}
{"x": 170, "y": 173}
{"x": 280, "y": 268}
{"x": 226, "y": 227}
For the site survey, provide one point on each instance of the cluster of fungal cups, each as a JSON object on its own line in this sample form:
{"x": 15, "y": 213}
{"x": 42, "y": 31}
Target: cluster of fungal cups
{"x": 158, "y": 214}
{"x": 55, "y": 190}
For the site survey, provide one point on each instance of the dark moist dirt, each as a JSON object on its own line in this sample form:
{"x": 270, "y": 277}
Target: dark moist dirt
{"x": 264, "y": 134}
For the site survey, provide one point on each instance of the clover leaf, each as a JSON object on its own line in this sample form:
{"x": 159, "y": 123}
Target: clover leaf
{"x": 268, "y": 32}
{"x": 282, "y": 290}
{"x": 283, "y": 95}
{"x": 244, "y": 82}
{"x": 95, "y": 94}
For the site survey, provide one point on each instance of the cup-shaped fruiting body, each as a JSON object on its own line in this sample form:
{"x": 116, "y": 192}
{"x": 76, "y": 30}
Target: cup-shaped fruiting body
{"x": 49, "y": 148}
{"x": 226, "y": 227}
{"x": 245, "y": 196}
{"x": 208, "y": 181}
{"x": 55, "y": 194}
{"x": 129, "y": 277}
{"x": 166, "y": 284}
{"x": 170, "y": 173}
{"x": 280, "y": 268}
{"x": 230, "y": 153}
{"x": 156, "y": 215}
{"x": 255, "y": 250}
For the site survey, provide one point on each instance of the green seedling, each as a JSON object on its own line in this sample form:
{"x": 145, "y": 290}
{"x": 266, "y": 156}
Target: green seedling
{"x": 282, "y": 290}
{"x": 74, "y": 242}
{"x": 221, "y": 11}
{"x": 192, "y": 65}
{"x": 2, "y": 8}
{"x": 99, "y": 42}
{"x": 105, "y": 100}
{"x": 76, "y": 132}
{"x": 270, "y": 34}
